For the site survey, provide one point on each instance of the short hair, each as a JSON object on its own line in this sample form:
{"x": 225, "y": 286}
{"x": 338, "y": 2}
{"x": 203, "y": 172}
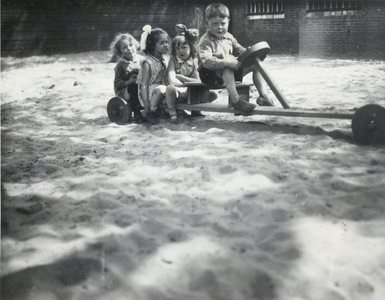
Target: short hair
{"x": 153, "y": 38}
{"x": 114, "y": 46}
{"x": 181, "y": 39}
{"x": 217, "y": 10}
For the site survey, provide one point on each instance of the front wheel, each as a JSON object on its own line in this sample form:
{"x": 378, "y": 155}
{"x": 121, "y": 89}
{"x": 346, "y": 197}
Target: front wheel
{"x": 368, "y": 124}
{"x": 119, "y": 111}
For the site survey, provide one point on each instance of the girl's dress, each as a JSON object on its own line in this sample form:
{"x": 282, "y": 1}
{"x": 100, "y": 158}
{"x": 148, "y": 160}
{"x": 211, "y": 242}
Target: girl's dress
{"x": 158, "y": 73}
{"x": 188, "y": 68}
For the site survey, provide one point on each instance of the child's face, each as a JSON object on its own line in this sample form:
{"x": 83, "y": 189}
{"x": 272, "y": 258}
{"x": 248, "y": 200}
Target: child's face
{"x": 218, "y": 26}
{"x": 183, "y": 51}
{"x": 162, "y": 46}
{"x": 127, "y": 49}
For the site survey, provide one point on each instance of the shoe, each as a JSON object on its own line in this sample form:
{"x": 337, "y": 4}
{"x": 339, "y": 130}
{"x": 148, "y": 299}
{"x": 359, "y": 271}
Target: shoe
{"x": 164, "y": 114}
{"x": 197, "y": 114}
{"x": 139, "y": 119}
{"x": 182, "y": 113}
{"x": 264, "y": 101}
{"x": 174, "y": 119}
{"x": 244, "y": 106}
{"x": 152, "y": 118}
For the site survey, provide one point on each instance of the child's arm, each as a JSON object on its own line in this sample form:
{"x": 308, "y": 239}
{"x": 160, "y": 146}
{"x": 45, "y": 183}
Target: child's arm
{"x": 215, "y": 61}
{"x": 145, "y": 86}
{"x": 172, "y": 76}
{"x": 184, "y": 79}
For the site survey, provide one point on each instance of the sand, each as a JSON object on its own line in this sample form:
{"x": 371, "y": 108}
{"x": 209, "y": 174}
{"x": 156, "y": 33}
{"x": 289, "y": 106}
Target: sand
{"x": 225, "y": 207}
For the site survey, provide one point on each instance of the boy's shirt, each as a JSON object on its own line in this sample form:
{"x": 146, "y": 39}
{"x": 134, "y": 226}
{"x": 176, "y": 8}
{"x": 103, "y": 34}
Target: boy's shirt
{"x": 210, "y": 49}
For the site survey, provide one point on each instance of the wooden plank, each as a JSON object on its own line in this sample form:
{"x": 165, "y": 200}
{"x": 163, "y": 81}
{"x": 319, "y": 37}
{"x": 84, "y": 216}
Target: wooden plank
{"x": 222, "y": 108}
{"x": 217, "y": 87}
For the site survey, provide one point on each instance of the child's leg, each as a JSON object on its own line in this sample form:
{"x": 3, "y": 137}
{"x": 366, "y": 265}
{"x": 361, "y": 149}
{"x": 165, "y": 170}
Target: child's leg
{"x": 171, "y": 95}
{"x": 157, "y": 96}
{"x": 133, "y": 99}
{"x": 229, "y": 80}
{"x": 260, "y": 85}
{"x": 239, "y": 104}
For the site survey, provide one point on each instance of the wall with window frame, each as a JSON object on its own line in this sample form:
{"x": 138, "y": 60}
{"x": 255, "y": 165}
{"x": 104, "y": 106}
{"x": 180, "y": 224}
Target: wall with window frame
{"x": 275, "y": 22}
{"x": 330, "y": 28}
{"x": 345, "y": 29}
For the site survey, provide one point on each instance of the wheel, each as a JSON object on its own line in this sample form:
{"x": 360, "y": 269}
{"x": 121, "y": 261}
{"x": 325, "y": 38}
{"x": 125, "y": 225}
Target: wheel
{"x": 368, "y": 124}
{"x": 119, "y": 111}
{"x": 247, "y": 58}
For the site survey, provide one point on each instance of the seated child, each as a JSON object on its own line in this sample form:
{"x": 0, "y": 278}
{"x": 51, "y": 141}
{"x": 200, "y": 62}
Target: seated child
{"x": 126, "y": 71}
{"x": 153, "y": 74}
{"x": 182, "y": 68}
{"x": 217, "y": 52}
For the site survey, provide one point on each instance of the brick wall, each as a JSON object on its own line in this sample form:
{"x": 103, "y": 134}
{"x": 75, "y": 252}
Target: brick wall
{"x": 281, "y": 34}
{"x": 360, "y": 36}
{"x": 35, "y": 27}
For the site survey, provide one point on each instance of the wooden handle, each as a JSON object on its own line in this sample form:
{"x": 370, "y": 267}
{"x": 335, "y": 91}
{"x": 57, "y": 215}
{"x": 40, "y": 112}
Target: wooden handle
{"x": 277, "y": 92}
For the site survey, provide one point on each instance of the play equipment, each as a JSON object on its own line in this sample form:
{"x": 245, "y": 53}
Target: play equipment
{"x": 368, "y": 122}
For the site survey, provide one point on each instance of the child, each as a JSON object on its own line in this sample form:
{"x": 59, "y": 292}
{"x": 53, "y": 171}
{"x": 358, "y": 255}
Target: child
{"x": 152, "y": 76}
{"x": 182, "y": 68}
{"x": 217, "y": 51}
{"x": 126, "y": 70}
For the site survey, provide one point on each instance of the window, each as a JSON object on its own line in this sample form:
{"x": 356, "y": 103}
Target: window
{"x": 265, "y": 9}
{"x": 328, "y": 8}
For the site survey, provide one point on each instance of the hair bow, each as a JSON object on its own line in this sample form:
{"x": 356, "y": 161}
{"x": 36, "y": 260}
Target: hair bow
{"x": 192, "y": 34}
{"x": 143, "y": 37}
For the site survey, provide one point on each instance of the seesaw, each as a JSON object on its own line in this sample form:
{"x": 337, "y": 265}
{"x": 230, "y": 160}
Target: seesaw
{"x": 368, "y": 122}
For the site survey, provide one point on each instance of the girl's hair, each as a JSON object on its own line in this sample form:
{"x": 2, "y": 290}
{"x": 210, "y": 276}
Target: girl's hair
{"x": 180, "y": 40}
{"x": 217, "y": 10}
{"x": 152, "y": 38}
{"x": 115, "y": 44}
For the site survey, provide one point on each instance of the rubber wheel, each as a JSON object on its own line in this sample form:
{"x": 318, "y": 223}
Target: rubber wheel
{"x": 368, "y": 124}
{"x": 119, "y": 111}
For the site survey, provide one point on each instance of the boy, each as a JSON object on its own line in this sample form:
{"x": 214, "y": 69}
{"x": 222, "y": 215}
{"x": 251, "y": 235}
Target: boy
{"x": 217, "y": 52}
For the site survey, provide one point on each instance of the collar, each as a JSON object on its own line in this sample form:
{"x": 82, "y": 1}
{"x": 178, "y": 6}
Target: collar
{"x": 190, "y": 61}
{"x": 135, "y": 59}
{"x": 214, "y": 37}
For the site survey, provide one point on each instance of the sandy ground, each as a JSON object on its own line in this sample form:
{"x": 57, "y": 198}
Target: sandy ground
{"x": 224, "y": 207}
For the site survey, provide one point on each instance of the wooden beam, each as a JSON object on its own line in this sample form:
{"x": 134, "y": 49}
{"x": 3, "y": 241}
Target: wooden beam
{"x": 223, "y": 108}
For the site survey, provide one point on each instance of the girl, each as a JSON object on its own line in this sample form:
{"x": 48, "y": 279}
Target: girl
{"x": 126, "y": 71}
{"x": 152, "y": 76}
{"x": 183, "y": 67}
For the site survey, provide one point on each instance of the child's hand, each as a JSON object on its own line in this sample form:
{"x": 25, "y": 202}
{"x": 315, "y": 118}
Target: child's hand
{"x": 147, "y": 105}
{"x": 232, "y": 62}
{"x": 132, "y": 79}
{"x": 218, "y": 55}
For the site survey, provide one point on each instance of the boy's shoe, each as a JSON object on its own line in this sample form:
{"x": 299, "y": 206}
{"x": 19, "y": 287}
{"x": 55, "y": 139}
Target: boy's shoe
{"x": 139, "y": 119}
{"x": 244, "y": 106}
{"x": 264, "y": 101}
{"x": 182, "y": 113}
{"x": 152, "y": 118}
{"x": 197, "y": 114}
{"x": 174, "y": 119}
